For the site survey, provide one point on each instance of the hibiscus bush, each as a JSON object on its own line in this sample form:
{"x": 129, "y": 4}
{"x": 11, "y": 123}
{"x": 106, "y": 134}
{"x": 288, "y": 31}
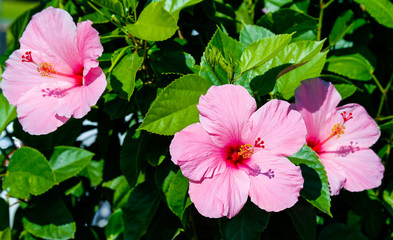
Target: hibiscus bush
{"x": 191, "y": 119}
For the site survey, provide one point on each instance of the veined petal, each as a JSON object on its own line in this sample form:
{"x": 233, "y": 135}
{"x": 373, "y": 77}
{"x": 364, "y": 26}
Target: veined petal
{"x": 53, "y": 32}
{"x": 224, "y": 112}
{"x": 275, "y": 193}
{"x": 196, "y": 154}
{"x": 361, "y": 168}
{"x": 88, "y": 42}
{"x": 80, "y": 98}
{"x": 282, "y": 130}
{"x": 222, "y": 195}
{"x": 360, "y": 131}
{"x": 36, "y": 111}
{"x": 316, "y": 100}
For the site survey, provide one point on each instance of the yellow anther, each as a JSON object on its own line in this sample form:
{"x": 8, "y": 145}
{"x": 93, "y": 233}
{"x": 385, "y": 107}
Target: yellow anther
{"x": 246, "y": 150}
{"x": 337, "y": 130}
{"x": 46, "y": 69}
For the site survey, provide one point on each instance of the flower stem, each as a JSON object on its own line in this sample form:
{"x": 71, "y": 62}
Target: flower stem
{"x": 320, "y": 18}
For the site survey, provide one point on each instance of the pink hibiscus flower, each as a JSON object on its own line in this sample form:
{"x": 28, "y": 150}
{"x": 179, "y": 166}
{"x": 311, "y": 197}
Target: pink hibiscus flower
{"x": 235, "y": 152}
{"x": 341, "y": 137}
{"x": 55, "y": 73}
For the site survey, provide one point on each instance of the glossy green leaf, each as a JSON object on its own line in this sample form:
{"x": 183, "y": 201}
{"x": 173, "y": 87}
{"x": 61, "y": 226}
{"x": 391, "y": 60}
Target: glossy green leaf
{"x": 248, "y": 224}
{"x": 5, "y": 234}
{"x": 28, "y": 173}
{"x": 381, "y": 10}
{"x": 175, "y": 107}
{"x": 174, "y": 6}
{"x": 76, "y": 190}
{"x": 220, "y": 59}
{"x": 316, "y": 185}
{"x": 353, "y": 66}
{"x": 154, "y": 23}
{"x": 123, "y": 75}
{"x": 113, "y": 5}
{"x": 304, "y": 219}
{"x": 94, "y": 172}
{"x": 345, "y": 90}
{"x": 67, "y": 161}
{"x": 122, "y": 191}
{"x": 176, "y": 195}
{"x": 288, "y": 82}
{"x": 341, "y": 26}
{"x": 7, "y": 113}
{"x": 253, "y": 33}
{"x": 141, "y": 207}
{"x": 115, "y": 226}
{"x": 49, "y": 218}
{"x": 263, "y": 84}
{"x": 262, "y": 51}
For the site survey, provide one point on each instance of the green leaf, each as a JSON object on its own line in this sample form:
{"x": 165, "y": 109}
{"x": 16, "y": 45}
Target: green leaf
{"x": 353, "y": 66}
{"x": 141, "y": 207}
{"x": 49, "y": 218}
{"x": 154, "y": 23}
{"x": 67, "y": 161}
{"x": 113, "y": 5}
{"x": 253, "y": 33}
{"x": 388, "y": 127}
{"x": 94, "y": 172}
{"x": 304, "y": 219}
{"x": 76, "y": 190}
{"x": 345, "y": 90}
{"x": 4, "y": 216}
{"x": 262, "y": 51}
{"x": 6, "y": 234}
{"x": 263, "y": 84}
{"x": 122, "y": 191}
{"x": 115, "y": 226}
{"x": 7, "y": 113}
{"x": 288, "y": 82}
{"x": 176, "y": 195}
{"x": 124, "y": 74}
{"x": 341, "y": 26}
{"x": 174, "y": 6}
{"x": 28, "y": 173}
{"x": 175, "y": 107}
{"x": 172, "y": 62}
{"x": 316, "y": 185}
{"x": 248, "y": 224}
{"x": 289, "y": 21}
{"x": 220, "y": 59}
{"x": 381, "y": 10}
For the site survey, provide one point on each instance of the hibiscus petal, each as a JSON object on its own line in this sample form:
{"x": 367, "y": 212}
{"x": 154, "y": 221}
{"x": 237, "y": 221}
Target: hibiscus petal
{"x": 362, "y": 168}
{"x": 282, "y": 130}
{"x": 316, "y": 100}
{"x": 222, "y": 195}
{"x": 36, "y": 111}
{"x": 196, "y": 154}
{"x": 80, "y": 98}
{"x": 275, "y": 193}
{"x": 88, "y": 42}
{"x": 360, "y": 131}
{"x": 335, "y": 174}
{"x": 224, "y": 112}
{"x": 53, "y": 32}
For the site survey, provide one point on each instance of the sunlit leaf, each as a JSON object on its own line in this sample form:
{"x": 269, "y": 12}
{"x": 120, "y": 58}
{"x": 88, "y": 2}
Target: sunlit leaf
{"x": 7, "y": 112}
{"x": 381, "y": 10}
{"x": 252, "y": 33}
{"x": 353, "y": 66}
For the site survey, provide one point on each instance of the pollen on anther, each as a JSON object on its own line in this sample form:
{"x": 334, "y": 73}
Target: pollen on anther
{"x": 337, "y": 130}
{"x": 46, "y": 70}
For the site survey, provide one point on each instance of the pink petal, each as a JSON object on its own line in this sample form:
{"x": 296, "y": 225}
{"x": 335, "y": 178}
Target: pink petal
{"x": 360, "y": 131}
{"x": 276, "y": 193}
{"x": 222, "y": 195}
{"x": 335, "y": 174}
{"x": 361, "y": 167}
{"x": 53, "y": 32}
{"x": 36, "y": 111}
{"x": 282, "y": 130}
{"x": 224, "y": 112}
{"x": 196, "y": 154}
{"x": 88, "y": 43}
{"x": 316, "y": 100}
{"x": 80, "y": 98}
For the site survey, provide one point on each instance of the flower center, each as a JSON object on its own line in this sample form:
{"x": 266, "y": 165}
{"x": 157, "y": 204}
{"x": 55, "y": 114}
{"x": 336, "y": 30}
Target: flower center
{"x": 239, "y": 154}
{"x": 337, "y": 130}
